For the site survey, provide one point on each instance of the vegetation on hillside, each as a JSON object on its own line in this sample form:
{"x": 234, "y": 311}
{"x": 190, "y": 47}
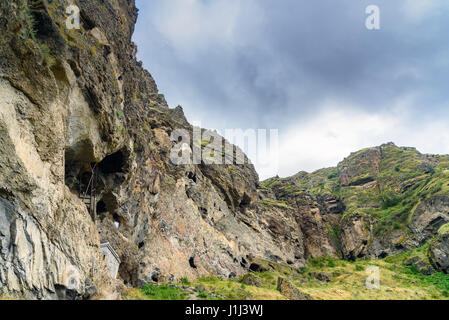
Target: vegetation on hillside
{"x": 344, "y": 280}
{"x": 405, "y": 178}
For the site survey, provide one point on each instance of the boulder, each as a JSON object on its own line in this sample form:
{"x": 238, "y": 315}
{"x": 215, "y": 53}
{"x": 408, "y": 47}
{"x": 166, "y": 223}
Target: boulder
{"x": 252, "y": 280}
{"x": 289, "y": 290}
{"x": 322, "y": 276}
{"x": 439, "y": 251}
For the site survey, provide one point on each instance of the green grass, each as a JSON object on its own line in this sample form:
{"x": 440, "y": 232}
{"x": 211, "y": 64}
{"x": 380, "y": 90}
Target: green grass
{"x": 444, "y": 230}
{"x": 163, "y": 292}
{"x": 28, "y": 23}
{"x": 397, "y": 282}
{"x": 276, "y": 203}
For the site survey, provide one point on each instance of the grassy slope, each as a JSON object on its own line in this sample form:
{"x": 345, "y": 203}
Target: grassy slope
{"x": 397, "y": 282}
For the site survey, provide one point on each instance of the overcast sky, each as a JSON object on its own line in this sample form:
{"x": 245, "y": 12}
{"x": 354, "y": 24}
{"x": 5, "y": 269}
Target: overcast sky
{"x": 308, "y": 68}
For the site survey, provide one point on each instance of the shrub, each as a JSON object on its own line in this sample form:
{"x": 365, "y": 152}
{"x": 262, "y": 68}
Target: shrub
{"x": 49, "y": 60}
{"x": 333, "y": 174}
{"x": 396, "y": 225}
{"x": 331, "y": 262}
{"x": 389, "y": 199}
{"x": 28, "y": 23}
{"x": 359, "y": 268}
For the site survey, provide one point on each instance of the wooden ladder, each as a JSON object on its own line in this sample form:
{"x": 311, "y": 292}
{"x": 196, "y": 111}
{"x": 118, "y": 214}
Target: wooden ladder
{"x": 88, "y": 196}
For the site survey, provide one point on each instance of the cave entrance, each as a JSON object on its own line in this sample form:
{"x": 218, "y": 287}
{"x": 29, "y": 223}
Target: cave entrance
{"x": 93, "y": 180}
{"x": 244, "y": 204}
{"x": 113, "y": 163}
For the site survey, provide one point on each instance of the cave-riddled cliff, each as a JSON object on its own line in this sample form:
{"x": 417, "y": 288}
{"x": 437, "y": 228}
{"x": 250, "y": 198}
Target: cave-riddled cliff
{"x": 85, "y": 159}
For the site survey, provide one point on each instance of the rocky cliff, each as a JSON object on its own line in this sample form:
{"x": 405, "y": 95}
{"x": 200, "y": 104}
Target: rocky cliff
{"x": 378, "y": 202}
{"x": 78, "y": 110}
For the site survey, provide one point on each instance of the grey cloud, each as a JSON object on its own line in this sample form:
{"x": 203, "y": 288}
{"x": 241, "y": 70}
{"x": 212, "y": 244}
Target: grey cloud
{"x": 287, "y": 60}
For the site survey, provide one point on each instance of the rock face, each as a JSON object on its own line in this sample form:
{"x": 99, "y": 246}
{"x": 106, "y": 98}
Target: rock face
{"x": 76, "y": 101}
{"x": 377, "y": 202}
{"x": 439, "y": 250}
{"x": 360, "y": 168}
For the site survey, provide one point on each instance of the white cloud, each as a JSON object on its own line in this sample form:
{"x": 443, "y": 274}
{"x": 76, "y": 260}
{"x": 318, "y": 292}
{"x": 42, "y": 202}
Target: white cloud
{"x": 332, "y": 135}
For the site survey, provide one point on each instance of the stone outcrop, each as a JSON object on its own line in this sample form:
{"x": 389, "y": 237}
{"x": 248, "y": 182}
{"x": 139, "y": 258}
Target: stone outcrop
{"x": 439, "y": 250}
{"x": 290, "y": 291}
{"x": 360, "y": 168}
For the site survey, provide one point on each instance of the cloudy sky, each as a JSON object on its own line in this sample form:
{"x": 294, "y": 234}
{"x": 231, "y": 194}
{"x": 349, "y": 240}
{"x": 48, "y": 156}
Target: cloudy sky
{"x": 308, "y": 68}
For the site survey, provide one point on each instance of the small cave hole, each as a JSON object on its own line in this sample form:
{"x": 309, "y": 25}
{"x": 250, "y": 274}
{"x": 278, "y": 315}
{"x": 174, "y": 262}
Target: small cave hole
{"x": 74, "y": 68}
{"x": 192, "y": 176}
{"x": 117, "y": 220}
{"x": 86, "y": 23}
{"x": 141, "y": 244}
{"x": 255, "y": 267}
{"x": 244, "y": 263}
{"x": 107, "y": 51}
{"x": 192, "y": 263}
{"x": 101, "y": 207}
{"x": 203, "y": 212}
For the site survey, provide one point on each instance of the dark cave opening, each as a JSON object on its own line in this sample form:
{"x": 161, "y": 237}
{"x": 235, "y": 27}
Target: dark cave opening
{"x": 244, "y": 203}
{"x": 192, "y": 263}
{"x": 383, "y": 255}
{"x": 107, "y": 51}
{"x": 87, "y": 24}
{"x": 43, "y": 24}
{"x": 192, "y": 176}
{"x": 255, "y": 267}
{"x": 101, "y": 207}
{"x": 244, "y": 263}
{"x": 203, "y": 212}
{"x": 113, "y": 163}
{"x": 78, "y": 163}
